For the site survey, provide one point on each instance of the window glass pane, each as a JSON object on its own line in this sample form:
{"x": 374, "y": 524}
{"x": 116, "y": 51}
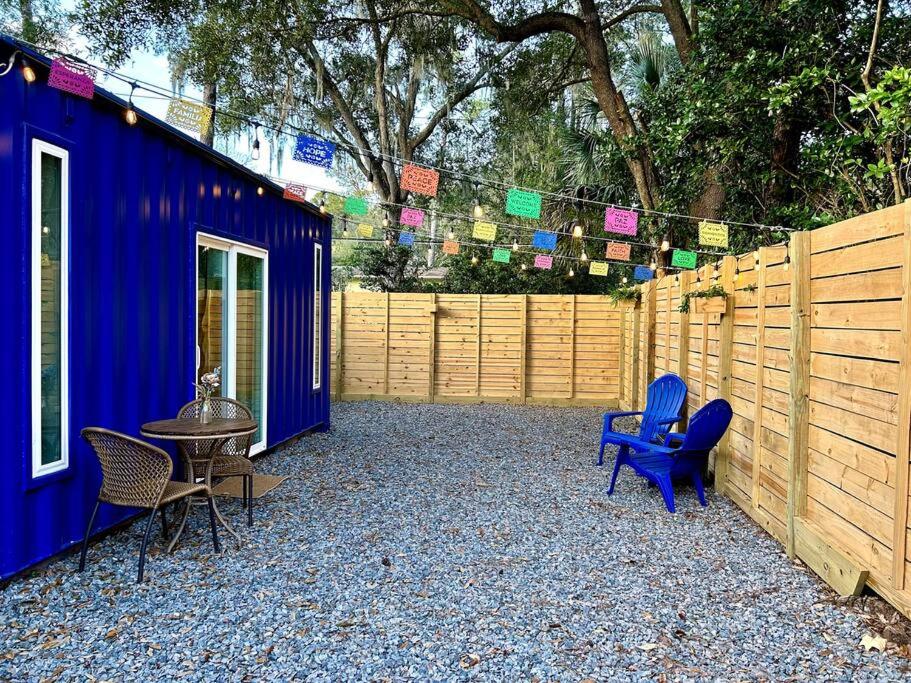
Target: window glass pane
{"x": 212, "y": 312}
{"x": 249, "y": 371}
{"x": 51, "y": 299}
{"x": 317, "y": 313}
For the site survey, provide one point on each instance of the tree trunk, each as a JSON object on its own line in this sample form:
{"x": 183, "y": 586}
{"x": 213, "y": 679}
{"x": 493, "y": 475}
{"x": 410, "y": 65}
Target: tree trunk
{"x": 615, "y": 107}
{"x": 29, "y": 28}
{"x": 209, "y": 95}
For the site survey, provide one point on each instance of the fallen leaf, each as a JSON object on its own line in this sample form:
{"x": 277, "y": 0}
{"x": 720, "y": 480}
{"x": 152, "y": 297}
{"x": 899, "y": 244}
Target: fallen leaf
{"x": 648, "y": 647}
{"x": 111, "y": 634}
{"x": 871, "y": 642}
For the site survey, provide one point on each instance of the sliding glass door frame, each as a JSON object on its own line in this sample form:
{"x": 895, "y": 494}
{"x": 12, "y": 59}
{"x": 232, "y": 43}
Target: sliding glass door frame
{"x": 232, "y": 249}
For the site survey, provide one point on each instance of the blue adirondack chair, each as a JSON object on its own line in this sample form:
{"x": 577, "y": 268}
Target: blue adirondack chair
{"x": 682, "y": 456}
{"x": 662, "y": 409}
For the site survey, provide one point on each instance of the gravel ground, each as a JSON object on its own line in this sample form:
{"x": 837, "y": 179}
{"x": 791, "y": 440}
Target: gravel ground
{"x": 428, "y": 542}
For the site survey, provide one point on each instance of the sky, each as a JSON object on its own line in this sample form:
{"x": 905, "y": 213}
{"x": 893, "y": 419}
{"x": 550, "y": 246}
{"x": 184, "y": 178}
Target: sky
{"x": 151, "y": 68}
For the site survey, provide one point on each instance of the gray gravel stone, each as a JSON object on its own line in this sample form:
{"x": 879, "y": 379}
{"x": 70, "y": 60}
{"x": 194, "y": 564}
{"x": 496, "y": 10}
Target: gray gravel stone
{"x": 429, "y": 542}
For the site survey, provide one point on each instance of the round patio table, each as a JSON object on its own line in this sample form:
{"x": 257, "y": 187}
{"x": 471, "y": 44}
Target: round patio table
{"x": 210, "y": 438}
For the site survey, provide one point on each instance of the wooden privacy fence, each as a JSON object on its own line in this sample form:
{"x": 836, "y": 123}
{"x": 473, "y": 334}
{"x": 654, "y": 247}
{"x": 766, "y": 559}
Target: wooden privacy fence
{"x": 812, "y": 347}
{"x": 813, "y": 350}
{"x": 560, "y": 350}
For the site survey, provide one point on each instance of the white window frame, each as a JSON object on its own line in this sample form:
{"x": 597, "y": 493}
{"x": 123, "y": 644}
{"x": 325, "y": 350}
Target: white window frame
{"x": 40, "y": 148}
{"x": 233, "y": 248}
{"x": 317, "y": 328}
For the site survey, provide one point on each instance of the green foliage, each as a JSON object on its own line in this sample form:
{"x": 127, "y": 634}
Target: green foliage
{"x": 631, "y": 293}
{"x": 708, "y": 293}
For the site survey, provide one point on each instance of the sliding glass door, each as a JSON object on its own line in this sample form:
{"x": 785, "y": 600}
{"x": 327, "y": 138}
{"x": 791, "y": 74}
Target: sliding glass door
{"x": 231, "y": 322}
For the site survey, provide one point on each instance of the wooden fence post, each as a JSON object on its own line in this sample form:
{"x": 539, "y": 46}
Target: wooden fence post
{"x": 621, "y": 396}
{"x": 477, "y": 365}
{"x": 904, "y": 415}
{"x": 725, "y": 363}
{"x": 683, "y": 340}
{"x": 572, "y": 349}
{"x": 798, "y": 393}
{"x": 522, "y": 352}
{"x": 760, "y": 376}
{"x": 339, "y": 337}
{"x": 432, "y": 348}
{"x": 650, "y": 333}
{"x": 634, "y": 350}
{"x": 386, "y": 351}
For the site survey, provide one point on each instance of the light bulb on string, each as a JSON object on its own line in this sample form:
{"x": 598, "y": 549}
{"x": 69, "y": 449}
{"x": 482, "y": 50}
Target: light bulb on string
{"x": 478, "y": 209}
{"x": 474, "y": 259}
{"x": 386, "y": 219}
{"x": 571, "y": 272}
{"x": 524, "y": 267}
{"x": 344, "y": 227}
{"x": 130, "y": 114}
{"x": 665, "y": 242}
{"x": 584, "y": 256}
{"x": 450, "y": 235}
{"x": 715, "y": 271}
{"x": 625, "y": 279}
{"x": 577, "y": 230}
{"x": 787, "y": 258}
{"x": 515, "y": 246}
{"x": 28, "y": 73}
{"x": 387, "y": 242}
{"x": 737, "y": 273}
{"x": 653, "y": 265}
{"x": 260, "y": 191}
{"x": 322, "y": 206}
{"x": 255, "y": 153}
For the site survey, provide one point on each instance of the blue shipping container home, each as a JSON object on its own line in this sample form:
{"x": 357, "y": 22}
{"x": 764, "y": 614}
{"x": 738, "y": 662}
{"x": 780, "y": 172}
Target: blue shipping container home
{"x": 137, "y": 258}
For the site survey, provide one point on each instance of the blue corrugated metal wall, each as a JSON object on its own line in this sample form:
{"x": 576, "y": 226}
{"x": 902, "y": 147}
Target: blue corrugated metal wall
{"x": 138, "y": 196}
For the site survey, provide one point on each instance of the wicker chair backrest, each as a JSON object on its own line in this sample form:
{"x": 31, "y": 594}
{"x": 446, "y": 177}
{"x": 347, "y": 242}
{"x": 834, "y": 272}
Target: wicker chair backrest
{"x": 221, "y": 407}
{"x": 134, "y": 473}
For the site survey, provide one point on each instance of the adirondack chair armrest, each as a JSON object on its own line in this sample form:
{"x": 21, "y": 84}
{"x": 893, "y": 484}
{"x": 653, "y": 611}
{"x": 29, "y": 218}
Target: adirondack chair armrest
{"x": 610, "y": 417}
{"x": 668, "y": 420}
{"x": 673, "y": 439}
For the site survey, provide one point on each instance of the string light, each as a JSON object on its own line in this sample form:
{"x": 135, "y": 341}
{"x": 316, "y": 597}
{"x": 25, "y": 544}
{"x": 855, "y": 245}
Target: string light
{"x": 625, "y": 280}
{"x": 130, "y": 114}
{"x": 665, "y": 242}
{"x": 653, "y": 265}
{"x": 293, "y": 131}
{"x": 584, "y": 256}
{"x": 474, "y": 259}
{"x": 787, "y": 258}
{"x": 322, "y": 206}
{"x": 255, "y": 153}
{"x": 478, "y": 209}
{"x": 571, "y": 272}
{"x": 387, "y": 242}
{"x": 28, "y": 73}
{"x": 386, "y": 219}
{"x": 260, "y": 191}
{"x": 344, "y": 227}
{"x": 577, "y": 231}
{"x": 515, "y": 247}
{"x": 737, "y": 272}
{"x": 450, "y": 235}
{"x": 524, "y": 267}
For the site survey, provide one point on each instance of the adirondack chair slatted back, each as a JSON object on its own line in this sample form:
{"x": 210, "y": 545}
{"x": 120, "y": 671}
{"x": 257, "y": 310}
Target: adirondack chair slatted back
{"x": 664, "y": 400}
{"x": 706, "y": 428}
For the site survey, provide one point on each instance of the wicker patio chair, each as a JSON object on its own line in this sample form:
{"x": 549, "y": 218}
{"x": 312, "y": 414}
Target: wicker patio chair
{"x": 233, "y": 460}
{"x": 137, "y": 474}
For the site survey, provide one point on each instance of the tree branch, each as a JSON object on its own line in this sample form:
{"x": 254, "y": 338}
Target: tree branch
{"x": 456, "y": 98}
